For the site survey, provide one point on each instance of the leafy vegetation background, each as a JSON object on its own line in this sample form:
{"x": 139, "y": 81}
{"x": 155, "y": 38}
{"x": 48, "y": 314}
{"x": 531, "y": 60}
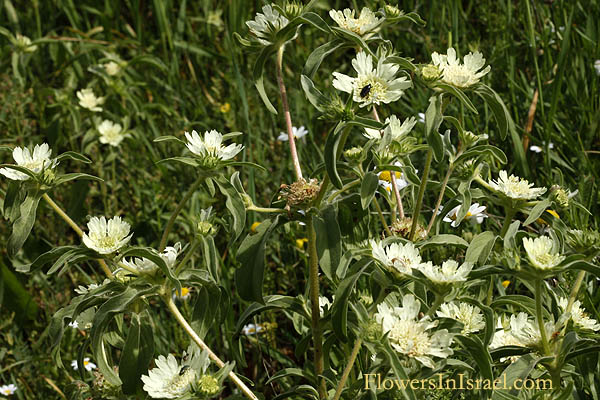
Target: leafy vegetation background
{"x": 186, "y": 72}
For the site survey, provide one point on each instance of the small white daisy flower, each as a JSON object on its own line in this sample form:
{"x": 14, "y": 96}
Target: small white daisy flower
{"x": 395, "y": 128}
{"x": 448, "y": 273}
{"x": 87, "y": 364}
{"x": 168, "y": 380}
{"x": 460, "y": 75}
{"x": 515, "y": 187}
{"x": 185, "y": 294}
{"x": 540, "y": 252}
{"x": 87, "y": 99}
{"x": 475, "y": 214}
{"x": 112, "y": 68}
{"x": 372, "y": 85}
{"x": 7, "y": 390}
{"x": 266, "y": 24}
{"x": 578, "y": 315}
{"x": 111, "y": 133}
{"x": 365, "y": 23}
{"x": 252, "y": 329}
{"x": 211, "y": 145}
{"x": 35, "y": 161}
{"x": 106, "y": 237}
{"x": 74, "y": 324}
{"x": 538, "y": 149}
{"x": 397, "y": 257}
{"x": 298, "y": 133}
{"x": 470, "y": 316}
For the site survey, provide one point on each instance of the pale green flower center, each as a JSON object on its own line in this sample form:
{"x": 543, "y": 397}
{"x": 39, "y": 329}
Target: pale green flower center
{"x": 377, "y": 91}
{"x": 411, "y": 338}
{"x": 180, "y": 383}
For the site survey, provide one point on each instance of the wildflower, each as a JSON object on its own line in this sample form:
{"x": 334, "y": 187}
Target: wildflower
{"x": 210, "y": 148}
{"x": 578, "y": 315}
{"x": 460, "y": 75}
{"x": 366, "y": 22}
{"x": 7, "y": 390}
{"x": 372, "y": 85}
{"x": 111, "y": 133}
{"x": 254, "y": 226}
{"x": 397, "y": 257}
{"x": 421, "y": 117}
{"x": 112, "y": 68}
{"x": 597, "y": 66}
{"x": 538, "y": 149}
{"x": 225, "y": 108}
{"x": 470, "y": 316}
{"x": 505, "y": 283}
{"x": 410, "y": 336}
{"x": 542, "y": 221}
{"x": 24, "y": 44}
{"x": 385, "y": 179}
{"x": 297, "y": 132}
{"x": 448, "y": 273}
{"x": 74, "y": 324}
{"x": 169, "y": 256}
{"x": 324, "y": 305}
{"x": 540, "y": 253}
{"x": 515, "y": 187}
{"x": 106, "y": 237}
{"x": 402, "y": 227}
{"x": 354, "y": 154}
{"x": 84, "y": 290}
{"x": 87, "y": 99}
{"x": 395, "y": 129}
{"x": 252, "y": 329}
{"x": 526, "y": 332}
{"x": 266, "y": 25}
{"x": 208, "y": 385}
{"x": 87, "y": 364}
{"x": 36, "y": 161}
{"x": 300, "y": 243}
{"x": 168, "y": 380}
{"x": 474, "y": 215}
{"x": 183, "y": 295}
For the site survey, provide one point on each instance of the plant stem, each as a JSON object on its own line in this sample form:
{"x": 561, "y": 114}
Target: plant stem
{"x": 286, "y": 111}
{"x": 540, "y": 317}
{"x": 351, "y": 359}
{"x": 326, "y": 180}
{"x": 510, "y": 213}
{"x": 266, "y": 210}
{"x": 417, "y": 210}
{"x": 188, "y": 195}
{"x": 313, "y": 278}
{"x": 385, "y": 225}
{"x": 439, "y": 200}
{"x": 76, "y": 228}
{"x": 575, "y": 290}
{"x": 439, "y": 299}
{"x": 187, "y": 257}
{"x": 190, "y": 331}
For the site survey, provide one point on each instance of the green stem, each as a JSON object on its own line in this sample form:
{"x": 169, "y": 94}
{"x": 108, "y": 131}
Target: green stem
{"x": 510, "y": 213}
{"x": 417, "y": 210}
{"x": 539, "y": 316}
{"x": 326, "y": 180}
{"x": 440, "y": 198}
{"x": 439, "y": 299}
{"x": 266, "y": 209}
{"x": 188, "y": 195}
{"x": 187, "y": 257}
{"x": 385, "y": 225}
{"x": 351, "y": 359}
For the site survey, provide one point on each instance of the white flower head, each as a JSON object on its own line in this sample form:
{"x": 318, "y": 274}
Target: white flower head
{"x": 112, "y": 68}
{"x": 266, "y": 24}
{"x": 87, "y": 99}
{"x": 35, "y": 161}
{"x": 24, "y": 43}
{"x": 448, "y": 273}
{"x": 111, "y": 133}
{"x": 106, "y": 237}
{"x": 515, "y": 187}
{"x": 470, "y": 316}
{"x": 324, "y": 304}
{"x": 298, "y": 133}
{"x": 460, "y": 75}
{"x": 397, "y": 257}
{"x": 168, "y": 380}
{"x": 395, "y": 128}
{"x": 526, "y": 332}
{"x": 210, "y": 148}
{"x": 74, "y": 324}
{"x": 474, "y": 215}
{"x": 578, "y": 315}
{"x": 372, "y": 85}
{"x": 7, "y": 390}
{"x": 252, "y": 329}
{"x": 541, "y": 254}
{"x": 365, "y": 23}
{"x": 597, "y": 66}
{"x": 410, "y": 336}
{"x": 385, "y": 179}
{"x": 538, "y": 149}
{"x": 87, "y": 364}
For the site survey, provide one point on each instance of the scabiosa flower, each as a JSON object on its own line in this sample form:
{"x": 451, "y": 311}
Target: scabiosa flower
{"x": 87, "y": 364}
{"x": 111, "y": 133}
{"x": 7, "y": 390}
{"x": 410, "y": 336}
{"x": 541, "y": 254}
{"x": 578, "y": 315}
{"x": 87, "y": 99}
{"x": 169, "y": 255}
{"x": 474, "y": 215}
{"x": 538, "y": 149}
{"x": 168, "y": 380}
{"x": 460, "y": 75}
{"x": 366, "y": 22}
{"x": 470, "y": 316}
{"x": 106, "y": 237}
{"x": 395, "y": 128}
{"x": 397, "y": 257}
{"x": 515, "y": 187}
{"x": 448, "y": 273}
{"x": 210, "y": 148}
{"x": 35, "y": 161}
{"x": 372, "y": 85}
{"x": 266, "y": 25}
{"x": 298, "y": 133}
{"x": 252, "y": 329}
{"x": 526, "y": 332}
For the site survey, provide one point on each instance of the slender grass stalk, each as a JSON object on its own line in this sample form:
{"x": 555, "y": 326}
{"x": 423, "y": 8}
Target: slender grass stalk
{"x": 417, "y": 210}
{"x": 188, "y": 195}
{"x": 385, "y": 225}
{"x": 439, "y": 200}
{"x": 286, "y": 111}
{"x": 350, "y": 363}
{"x": 539, "y": 316}
{"x": 190, "y": 331}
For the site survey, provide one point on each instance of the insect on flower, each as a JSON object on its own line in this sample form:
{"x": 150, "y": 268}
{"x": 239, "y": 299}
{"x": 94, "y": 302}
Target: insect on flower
{"x": 183, "y": 369}
{"x": 364, "y": 92}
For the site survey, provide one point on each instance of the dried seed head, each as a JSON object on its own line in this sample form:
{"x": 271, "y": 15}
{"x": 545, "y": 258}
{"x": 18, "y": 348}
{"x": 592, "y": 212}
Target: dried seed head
{"x": 300, "y": 194}
{"x": 402, "y": 226}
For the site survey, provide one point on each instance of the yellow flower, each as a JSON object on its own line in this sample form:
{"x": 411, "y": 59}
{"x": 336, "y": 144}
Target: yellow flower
{"x": 541, "y": 221}
{"x": 387, "y": 176}
{"x": 300, "y": 243}
{"x": 505, "y": 283}
{"x": 225, "y": 108}
{"x": 254, "y": 226}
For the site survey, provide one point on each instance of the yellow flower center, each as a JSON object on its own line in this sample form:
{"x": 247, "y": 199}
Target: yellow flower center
{"x": 387, "y": 175}
{"x": 184, "y": 291}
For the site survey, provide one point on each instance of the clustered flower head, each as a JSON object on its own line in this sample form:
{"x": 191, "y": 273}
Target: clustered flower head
{"x": 210, "y": 148}
{"x": 87, "y": 99}
{"x": 112, "y": 68}
{"x": 111, "y": 133}
{"x": 372, "y": 85}
{"x": 411, "y": 336}
{"x": 541, "y": 254}
{"x": 475, "y": 215}
{"x": 578, "y": 315}
{"x": 366, "y": 22}
{"x": 266, "y": 24}
{"x": 24, "y": 44}
{"x": 106, "y": 237}
{"x": 515, "y": 187}
{"x": 36, "y": 161}
{"x": 448, "y": 273}
{"x": 395, "y": 128}
{"x": 398, "y": 257}
{"x": 465, "y": 313}
{"x": 522, "y": 331}
{"x": 460, "y": 75}
{"x": 298, "y": 133}
{"x": 168, "y": 380}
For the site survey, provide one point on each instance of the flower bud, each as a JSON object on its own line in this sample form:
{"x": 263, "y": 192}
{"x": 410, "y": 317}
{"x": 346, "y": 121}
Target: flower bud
{"x": 205, "y": 228}
{"x": 430, "y": 72}
{"x": 354, "y": 154}
{"x": 208, "y": 385}
{"x": 392, "y": 11}
{"x": 293, "y": 9}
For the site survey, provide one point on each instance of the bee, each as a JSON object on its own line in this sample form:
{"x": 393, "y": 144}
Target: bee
{"x": 364, "y": 92}
{"x": 183, "y": 369}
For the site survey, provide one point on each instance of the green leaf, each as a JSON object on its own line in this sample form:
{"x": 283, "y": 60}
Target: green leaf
{"x": 152, "y": 255}
{"x": 13, "y": 200}
{"x": 210, "y": 308}
{"x": 459, "y": 94}
{"x": 330, "y": 154}
{"x": 23, "y": 225}
{"x": 258, "y": 74}
{"x": 234, "y": 204}
{"x": 368, "y": 187}
{"x": 480, "y": 353}
{"x": 537, "y": 210}
{"x": 316, "y": 21}
{"x": 185, "y": 160}
{"x": 400, "y": 374}
{"x": 76, "y": 254}
{"x": 72, "y": 155}
{"x": 519, "y": 370}
{"x": 433, "y": 120}
{"x": 444, "y": 240}
{"x": 14, "y": 296}
{"x": 480, "y": 248}
{"x": 317, "y": 56}
{"x": 136, "y": 354}
{"x": 402, "y": 62}
{"x": 168, "y": 138}
{"x": 316, "y": 98}
{"x": 354, "y": 38}
{"x": 273, "y": 302}
{"x": 329, "y": 240}
{"x": 76, "y": 175}
{"x": 482, "y": 150}
{"x": 339, "y": 313}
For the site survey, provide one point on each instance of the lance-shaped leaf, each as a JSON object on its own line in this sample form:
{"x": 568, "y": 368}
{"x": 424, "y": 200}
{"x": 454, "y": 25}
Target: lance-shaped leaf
{"x": 136, "y": 354}
{"x": 330, "y": 154}
{"x": 339, "y": 307}
{"x": 76, "y": 175}
{"x": 22, "y": 226}
{"x": 480, "y": 247}
{"x": 329, "y": 240}
{"x": 481, "y": 355}
{"x": 234, "y": 204}
{"x": 433, "y": 120}
{"x": 537, "y": 211}
{"x": 273, "y": 302}
{"x": 72, "y": 155}
{"x": 210, "y": 307}
{"x": 258, "y": 74}
{"x": 316, "y": 98}
{"x": 317, "y": 56}
{"x": 152, "y": 255}
{"x": 368, "y": 187}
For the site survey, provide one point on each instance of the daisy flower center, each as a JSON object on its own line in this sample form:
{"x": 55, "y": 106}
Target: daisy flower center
{"x": 376, "y": 92}
{"x": 387, "y": 176}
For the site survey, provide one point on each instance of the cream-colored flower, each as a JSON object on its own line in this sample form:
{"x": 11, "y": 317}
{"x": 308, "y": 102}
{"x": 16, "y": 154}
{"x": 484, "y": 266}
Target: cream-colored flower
{"x": 7, "y": 390}
{"x": 457, "y": 74}
{"x": 112, "y": 68}
{"x": 111, "y": 133}
{"x": 538, "y": 149}
{"x": 298, "y": 133}
{"x": 35, "y": 161}
{"x": 410, "y": 336}
{"x": 448, "y": 273}
{"x": 526, "y": 330}
{"x": 475, "y": 214}
{"x": 168, "y": 380}
{"x": 211, "y": 146}
{"x": 470, "y": 316}
{"x": 266, "y": 24}
{"x": 24, "y": 43}
{"x": 395, "y": 128}
{"x": 87, "y": 99}
{"x": 106, "y": 237}
{"x": 541, "y": 254}
{"x": 372, "y": 85}
{"x": 578, "y": 315}
{"x": 365, "y": 23}
{"x": 397, "y": 257}
{"x": 515, "y": 187}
